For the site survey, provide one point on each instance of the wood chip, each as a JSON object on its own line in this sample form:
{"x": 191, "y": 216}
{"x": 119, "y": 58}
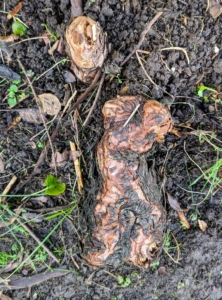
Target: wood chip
{"x": 203, "y": 225}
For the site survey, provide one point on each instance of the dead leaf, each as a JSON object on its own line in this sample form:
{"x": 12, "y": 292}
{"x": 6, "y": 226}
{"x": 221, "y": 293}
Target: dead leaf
{"x": 42, "y": 199}
{"x": 60, "y": 159}
{"x": 75, "y": 154}
{"x": 173, "y": 203}
{"x": 1, "y": 165}
{"x": 15, "y": 10}
{"x": 6, "y": 72}
{"x": 25, "y": 282}
{"x": 203, "y": 225}
{"x": 4, "y": 297}
{"x": 124, "y": 90}
{"x": 176, "y": 206}
{"x": 33, "y": 217}
{"x": 31, "y": 115}
{"x": 9, "y": 38}
{"x": 215, "y": 9}
{"x": 45, "y": 38}
{"x": 69, "y": 77}
{"x": 50, "y": 104}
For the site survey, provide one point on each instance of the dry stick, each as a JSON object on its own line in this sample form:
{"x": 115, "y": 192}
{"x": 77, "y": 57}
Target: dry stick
{"x": 95, "y": 101}
{"x": 8, "y": 187}
{"x": 79, "y": 100}
{"x": 38, "y": 240}
{"x": 77, "y": 167}
{"x": 142, "y": 37}
{"x": 37, "y": 102}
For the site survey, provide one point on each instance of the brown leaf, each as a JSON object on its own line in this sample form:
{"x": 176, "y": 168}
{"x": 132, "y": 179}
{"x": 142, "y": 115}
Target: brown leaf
{"x": 215, "y": 9}
{"x": 50, "y": 104}
{"x": 31, "y": 115}
{"x": 15, "y": 122}
{"x": 203, "y": 225}
{"x": 33, "y": 217}
{"x": 1, "y": 165}
{"x": 61, "y": 46}
{"x": 75, "y": 154}
{"x": 4, "y": 297}
{"x": 60, "y": 159}
{"x": 173, "y": 203}
{"x": 15, "y": 10}
{"x": 32, "y": 280}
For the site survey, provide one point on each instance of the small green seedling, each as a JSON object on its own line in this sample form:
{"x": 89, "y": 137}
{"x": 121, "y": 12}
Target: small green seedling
{"x": 123, "y": 282}
{"x": 40, "y": 144}
{"x": 53, "y": 36}
{"x": 53, "y": 188}
{"x": 13, "y": 90}
{"x": 154, "y": 265}
{"x": 18, "y": 28}
{"x": 202, "y": 88}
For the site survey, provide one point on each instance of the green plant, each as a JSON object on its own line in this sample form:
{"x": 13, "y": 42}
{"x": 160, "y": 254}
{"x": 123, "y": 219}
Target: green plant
{"x": 53, "y": 36}
{"x": 5, "y": 258}
{"x": 40, "y": 144}
{"x": 18, "y": 28}
{"x": 53, "y": 188}
{"x": 14, "y": 95}
{"x": 183, "y": 225}
{"x": 123, "y": 282}
{"x": 214, "y": 95}
{"x": 154, "y": 265}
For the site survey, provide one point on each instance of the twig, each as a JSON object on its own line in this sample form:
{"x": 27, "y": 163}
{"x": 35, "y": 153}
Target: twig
{"x": 208, "y": 5}
{"x": 77, "y": 167}
{"x": 180, "y": 49}
{"x": 132, "y": 114}
{"x": 74, "y": 106}
{"x": 142, "y": 37}
{"x": 38, "y": 240}
{"x": 95, "y": 101}
{"x": 8, "y": 187}
{"x": 37, "y": 102}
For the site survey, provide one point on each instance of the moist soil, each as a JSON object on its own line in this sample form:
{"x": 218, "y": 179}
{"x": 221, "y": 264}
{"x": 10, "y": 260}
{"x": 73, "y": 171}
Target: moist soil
{"x": 190, "y": 267}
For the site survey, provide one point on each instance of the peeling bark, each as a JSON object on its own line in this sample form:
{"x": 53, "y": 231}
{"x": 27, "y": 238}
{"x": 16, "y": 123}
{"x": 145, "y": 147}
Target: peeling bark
{"x": 129, "y": 218}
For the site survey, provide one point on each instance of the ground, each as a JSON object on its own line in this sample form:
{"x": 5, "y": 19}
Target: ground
{"x": 194, "y": 268}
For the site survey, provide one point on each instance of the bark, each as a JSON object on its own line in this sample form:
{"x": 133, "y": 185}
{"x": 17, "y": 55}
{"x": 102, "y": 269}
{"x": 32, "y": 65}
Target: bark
{"x": 129, "y": 218}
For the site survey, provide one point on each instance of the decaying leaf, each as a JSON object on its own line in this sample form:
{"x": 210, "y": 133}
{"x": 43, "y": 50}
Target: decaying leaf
{"x": 129, "y": 217}
{"x": 50, "y": 104}
{"x": 1, "y": 165}
{"x": 60, "y": 159}
{"x": 86, "y": 47}
{"x": 215, "y": 9}
{"x": 31, "y": 115}
{"x": 33, "y": 217}
{"x": 6, "y": 72}
{"x": 175, "y": 205}
{"x": 203, "y": 225}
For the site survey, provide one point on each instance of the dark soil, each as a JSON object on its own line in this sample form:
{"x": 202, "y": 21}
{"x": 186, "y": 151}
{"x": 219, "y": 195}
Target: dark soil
{"x": 198, "y": 275}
